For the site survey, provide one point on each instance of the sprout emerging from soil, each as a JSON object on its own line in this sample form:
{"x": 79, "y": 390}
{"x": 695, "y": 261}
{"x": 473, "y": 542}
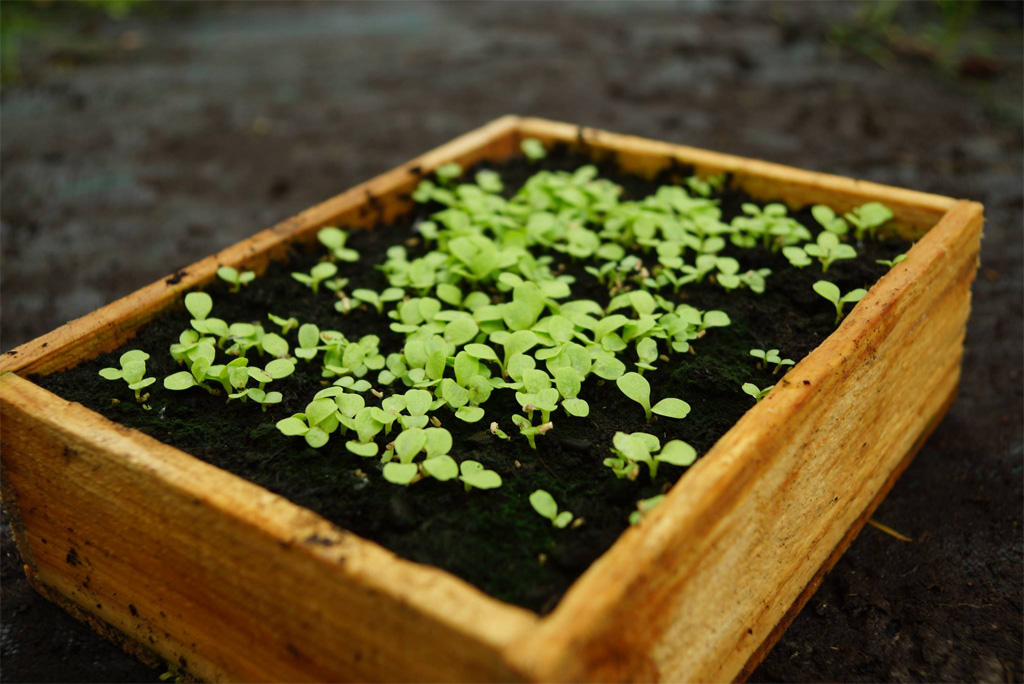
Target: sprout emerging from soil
{"x": 769, "y": 357}
{"x": 475, "y": 476}
{"x": 533, "y": 149}
{"x": 640, "y": 447}
{"x": 830, "y": 292}
{"x": 644, "y": 507}
{"x": 546, "y": 507}
{"x": 758, "y": 394}
{"x": 317, "y": 275}
{"x": 232, "y": 276}
{"x": 868, "y": 218}
{"x": 891, "y": 262}
{"x": 636, "y": 387}
{"x": 133, "y": 372}
{"x": 334, "y": 240}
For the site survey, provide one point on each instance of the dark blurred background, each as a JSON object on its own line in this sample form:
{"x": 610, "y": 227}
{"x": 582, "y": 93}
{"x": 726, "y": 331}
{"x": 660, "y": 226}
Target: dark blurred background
{"x": 136, "y": 138}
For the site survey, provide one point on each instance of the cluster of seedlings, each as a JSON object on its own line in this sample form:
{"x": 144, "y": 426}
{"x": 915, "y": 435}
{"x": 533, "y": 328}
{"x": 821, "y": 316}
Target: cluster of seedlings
{"x": 486, "y": 307}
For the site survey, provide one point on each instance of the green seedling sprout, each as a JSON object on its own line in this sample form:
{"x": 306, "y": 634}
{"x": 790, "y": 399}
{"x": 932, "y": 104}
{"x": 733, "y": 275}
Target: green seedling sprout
{"x": 133, "y": 372}
{"x": 769, "y": 357}
{"x": 448, "y": 173}
{"x": 647, "y": 353}
{"x": 891, "y": 262}
{"x": 639, "y": 447}
{"x": 830, "y": 292}
{"x": 529, "y": 430}
{"x": 200, "y": 304}
{"x": 546, "y": 507}
{"x": 498, "y": 432}
{"x": 316, "y": 424}
{"x": 758, "y": 394}
{"x": 568, "y": 382}
{"x": 533, "y": 149}
{"x": 232, "y": 276}
{"x": 644, "y": 507}
{"x": 377, "y": 301}
{"x": 636, "y": 387}
{"x": 309, "y": 342}
{"x": 829, "y": 249}
{"x": 334, "y": 240}
{"x": 317, "y": 275}
{"x": 868, "y": 218}
{"x": 475, "y": 476}
{"x": 796, "y": 256}
{"x": 286, "y": 324}
{"x": 828, "y": 220}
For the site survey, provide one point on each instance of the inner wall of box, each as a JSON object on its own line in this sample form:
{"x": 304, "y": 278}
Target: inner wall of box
{"x": 387, "y": 197}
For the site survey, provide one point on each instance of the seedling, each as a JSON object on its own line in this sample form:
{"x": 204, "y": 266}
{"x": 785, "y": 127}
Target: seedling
{"x": 828, "y": 249}
{"x": 644, "y": 507}
{"x": 286, "y": 324}
{"x": 317, "y": 275}
{"x": 828, "y": 220}
{"x": 133, "y": 372}
{"x": 475, "y": 476}
{"x": 647, "y": 353}
{"x": 640, "y": 447}
{"x": 546, "y": 507}
{"x": 867, "y": 218}
{"x": 447, "y": 173}
{"x": 769, "y": 357}
{"x": 758, "y": 394}
{"x": 377, "y": 301}
{"x": 232, "y": 276}
{"x": 334, "y": 240}
{"x": 796, "y": 256}
{"x": 529, "y": 430}
{"x": 200, "y": 304}
{"x": 830, "y": 292}
{"x": 533, "y": 149}
{"x": 891, "y": 262}
{"x": 568, "y": 382}
{"x": 309, "y": 341}
{"x": 636, "y": 387}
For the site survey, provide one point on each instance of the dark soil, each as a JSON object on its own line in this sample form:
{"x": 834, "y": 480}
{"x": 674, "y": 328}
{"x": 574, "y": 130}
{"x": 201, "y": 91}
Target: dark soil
{"x": 130, "y": 149}
{"x": 492, "y": 539}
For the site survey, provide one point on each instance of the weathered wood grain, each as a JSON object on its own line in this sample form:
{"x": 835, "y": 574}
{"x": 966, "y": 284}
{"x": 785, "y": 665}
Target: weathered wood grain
{"x": 690, "y": 593}
{"x": 216, "y": 573}
{"x": 234, "y": 583}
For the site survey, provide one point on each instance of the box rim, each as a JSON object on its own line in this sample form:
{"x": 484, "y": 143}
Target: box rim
{"x": 945, "y": 210}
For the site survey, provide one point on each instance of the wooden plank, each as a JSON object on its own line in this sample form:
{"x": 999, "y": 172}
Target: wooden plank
{"x": 691, "y": 592}
{"x": 379, "y": 200}
{"x": 218, "y": 574}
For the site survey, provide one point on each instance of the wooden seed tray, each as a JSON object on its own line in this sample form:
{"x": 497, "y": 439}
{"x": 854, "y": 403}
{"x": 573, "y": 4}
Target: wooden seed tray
{"x": 182, "y": 561}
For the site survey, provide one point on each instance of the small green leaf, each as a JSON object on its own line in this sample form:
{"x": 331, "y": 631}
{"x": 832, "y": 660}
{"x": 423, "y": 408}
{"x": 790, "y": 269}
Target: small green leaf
{"x": 179, "y": 381}
{"x": 544, "y": 504}
{"x": 364, "y": 449}
{"x": 678, "y": 453}
{"x": 199, "y": 304}
{"x": 400, "y": 473}
{"x": 671, "y": 408}
{"x": 441, "y": 468}
{"x": 469, "y": 414}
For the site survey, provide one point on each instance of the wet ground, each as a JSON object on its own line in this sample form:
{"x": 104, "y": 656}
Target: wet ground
{"x": 131, "y": 148}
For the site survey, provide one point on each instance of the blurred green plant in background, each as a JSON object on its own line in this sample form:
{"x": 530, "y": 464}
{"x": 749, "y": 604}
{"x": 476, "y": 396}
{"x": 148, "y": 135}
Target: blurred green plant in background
{"x": 881, "y": 30}
{"x": 22, "y": 21}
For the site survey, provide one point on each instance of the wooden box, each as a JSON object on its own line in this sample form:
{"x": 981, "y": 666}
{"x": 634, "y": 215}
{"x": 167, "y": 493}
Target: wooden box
{"x": 183, "y": 561}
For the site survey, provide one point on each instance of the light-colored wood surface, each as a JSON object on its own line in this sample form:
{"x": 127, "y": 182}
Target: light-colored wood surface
{"x": 691, "y": 593}
{"x": 698, "y": 591}
{"x": 203, "y": 566}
